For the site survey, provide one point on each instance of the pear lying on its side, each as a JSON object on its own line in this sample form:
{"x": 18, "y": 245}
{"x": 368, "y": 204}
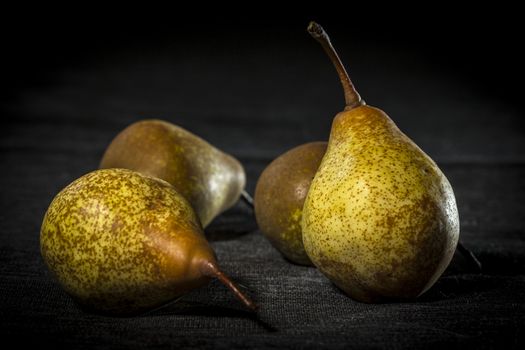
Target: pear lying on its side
{"x": 279, "y": 198}
{"x": 122, "y": 243}
{"x": 211, "y": 180}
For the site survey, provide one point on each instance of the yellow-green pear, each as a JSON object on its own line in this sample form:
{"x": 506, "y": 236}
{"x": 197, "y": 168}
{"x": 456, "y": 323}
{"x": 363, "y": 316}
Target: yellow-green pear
{"x": 380, "y": 219}
{"x": 122, "y": 243}
{"x": 211, "y": 180}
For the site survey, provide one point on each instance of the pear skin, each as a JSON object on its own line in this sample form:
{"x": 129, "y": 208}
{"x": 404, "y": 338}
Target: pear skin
{"x": 211, "y": 180}
{"x": 123, "y": 243}
{"x": 279, "y": 198}
{"x": 380, "y": 219}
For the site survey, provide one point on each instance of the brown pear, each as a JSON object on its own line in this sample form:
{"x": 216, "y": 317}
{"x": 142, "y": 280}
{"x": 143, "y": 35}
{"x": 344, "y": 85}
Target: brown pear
{"x": 279, "y": 198}
{"x": 211, "y": 180}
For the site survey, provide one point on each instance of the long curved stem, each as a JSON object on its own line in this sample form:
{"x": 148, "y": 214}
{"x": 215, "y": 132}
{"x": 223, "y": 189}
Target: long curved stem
{"x": 352, "y": 97}
{"x": 211, "y": 270}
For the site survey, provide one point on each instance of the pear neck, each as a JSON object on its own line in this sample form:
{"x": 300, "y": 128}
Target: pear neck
{"x": 354, "y": 106}
{"x": 352, "y": 97}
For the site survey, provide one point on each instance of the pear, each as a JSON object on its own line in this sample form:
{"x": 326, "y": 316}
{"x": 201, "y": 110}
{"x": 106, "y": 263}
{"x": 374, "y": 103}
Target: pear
{"x": 211, "y": 180}
{"x": 123, "y": 243}
{"x": 279, "y": 198}
{"x": 380, "y": 219}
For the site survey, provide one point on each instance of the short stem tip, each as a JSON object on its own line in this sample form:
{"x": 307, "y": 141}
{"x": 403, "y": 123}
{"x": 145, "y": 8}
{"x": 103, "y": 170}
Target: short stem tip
{"x": 247, "y": 198}
{"x": 211, "y": 270}
{"x": 470, "y": 256}
{"x": 315, "y": 30}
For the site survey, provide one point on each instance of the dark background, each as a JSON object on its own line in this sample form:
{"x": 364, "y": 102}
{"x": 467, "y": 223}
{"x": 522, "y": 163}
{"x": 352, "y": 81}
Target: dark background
{"x": 256, "y": 86}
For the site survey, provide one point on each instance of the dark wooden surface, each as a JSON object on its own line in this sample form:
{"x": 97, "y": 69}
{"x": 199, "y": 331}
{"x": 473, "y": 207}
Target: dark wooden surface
{"x": 255, "y": 100}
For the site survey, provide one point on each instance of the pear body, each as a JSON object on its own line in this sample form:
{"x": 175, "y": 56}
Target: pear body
{"x": 211, "y": 180}
{"x": 279, "y": 198}
{"x": 380, "y": 219}
{"x": 122, "y": 243}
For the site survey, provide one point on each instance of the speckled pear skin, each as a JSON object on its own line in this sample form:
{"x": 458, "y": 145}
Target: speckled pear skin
{"x": 211, "y": 180}
{"x": 279, "y": 198}
{"x": 380, "y": 219}
{"x": 122, "y": 243}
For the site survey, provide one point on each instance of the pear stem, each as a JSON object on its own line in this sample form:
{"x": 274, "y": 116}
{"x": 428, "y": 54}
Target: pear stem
{"x": 470, "y": 256}
{"x": 247, "y": 198}
{"x": 211, "y": 270}
{"x": 352, "y": 97}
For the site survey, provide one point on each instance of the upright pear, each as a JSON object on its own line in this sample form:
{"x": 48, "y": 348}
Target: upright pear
{"x": 211, "y": 180}
{"x": 380, "y": 219}
{"x": 123, "y": 243}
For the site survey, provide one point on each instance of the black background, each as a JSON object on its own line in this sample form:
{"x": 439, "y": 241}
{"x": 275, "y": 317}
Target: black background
{"x": 255, "y": 85}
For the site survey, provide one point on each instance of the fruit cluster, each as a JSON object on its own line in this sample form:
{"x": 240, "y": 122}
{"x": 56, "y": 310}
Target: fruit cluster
{"x": 369, "y": 209}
